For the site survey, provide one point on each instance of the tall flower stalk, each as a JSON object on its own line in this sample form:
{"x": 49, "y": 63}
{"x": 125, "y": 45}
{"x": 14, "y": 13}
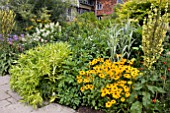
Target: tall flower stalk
{"x": 153, "y": 34}
{"x": 7, "y": 22}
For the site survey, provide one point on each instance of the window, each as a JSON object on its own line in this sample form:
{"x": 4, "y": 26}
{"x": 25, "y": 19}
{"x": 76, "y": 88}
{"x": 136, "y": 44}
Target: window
{"x": 99, "y": 6}
{"x": 120, "y": 1}
{"x": 69, "y": 11}
{"x": 87, "y": 2}
{"x": 81, "y": 11}
{"x": 99, "y": 17}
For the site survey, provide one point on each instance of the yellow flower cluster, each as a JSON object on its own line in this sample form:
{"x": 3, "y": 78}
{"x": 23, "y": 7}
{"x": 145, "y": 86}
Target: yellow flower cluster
{"x": 121, "y": 74}
{"x": 86, "y": 87}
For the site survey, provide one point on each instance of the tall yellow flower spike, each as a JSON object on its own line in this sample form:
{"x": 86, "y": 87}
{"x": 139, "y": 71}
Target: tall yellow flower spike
{"x": 153, "y": 34}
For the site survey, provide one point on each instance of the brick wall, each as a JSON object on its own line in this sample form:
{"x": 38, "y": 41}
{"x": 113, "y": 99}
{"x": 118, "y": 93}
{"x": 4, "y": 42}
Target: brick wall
{"x": 107, "y": 6}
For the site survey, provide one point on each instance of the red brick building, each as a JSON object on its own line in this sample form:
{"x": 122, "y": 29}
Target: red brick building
{"x": 99, "y": 7}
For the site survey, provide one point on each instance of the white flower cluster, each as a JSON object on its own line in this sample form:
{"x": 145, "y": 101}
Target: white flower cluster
{"x": 46, "y": 33}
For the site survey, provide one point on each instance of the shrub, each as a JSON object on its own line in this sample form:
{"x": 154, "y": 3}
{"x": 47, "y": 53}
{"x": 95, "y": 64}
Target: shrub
{"x": 36, "y": 73}
{"x": 85, "y": 45}
{"x": 83, "y": 49}
{"x": 136, "y": 9}
{"x": 40, "y": 11}
{"x": 148, "y": 90}
{"x": 9, "y": 51}
{"x": 68, "y": 92}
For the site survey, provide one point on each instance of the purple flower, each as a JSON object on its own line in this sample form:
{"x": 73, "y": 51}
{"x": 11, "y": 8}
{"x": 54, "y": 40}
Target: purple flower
{"x": 15, "y": 37}
{"x": 9, "y": 39}
{"x": 10, "y": 42}
{"x": 1, "y": 38}
{"x": 22, "y": 35}
{"x": 0, "y": 35}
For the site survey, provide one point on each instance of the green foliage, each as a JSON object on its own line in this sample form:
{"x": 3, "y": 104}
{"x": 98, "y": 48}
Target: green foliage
{"x": 153, "y": 35}
{"x": 138, "y": 9}
{"x": 35, "y": 74}
{"x": 146, "y": 92}
{"x": 68, "y": 92}
{"x": 10, "y": 50}
{"x": 85, "y": 25}
{"x": 27, "y": 10}
{"x": 83, "y": 50}
{"x": 7, "y": 56}
{"x": 86, "y": 45}
{"x": 7, "y": 23}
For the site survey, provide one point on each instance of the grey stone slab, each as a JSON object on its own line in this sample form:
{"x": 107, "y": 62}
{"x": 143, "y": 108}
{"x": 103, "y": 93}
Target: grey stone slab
{"x": 14, "y": 95}
{"x": 12, "y": 100}
{"x": 16, "y": 108}
{"x": 4, "y": 103}
{"x": 4, "y": 79}
{"x": 9, "y": 102}
{"x": 5, "y": 87}
{"x": 4, "y": 95}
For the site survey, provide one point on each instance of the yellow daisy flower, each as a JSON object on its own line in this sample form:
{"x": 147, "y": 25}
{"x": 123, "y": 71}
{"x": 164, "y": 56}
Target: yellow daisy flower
{"x": 108, "y": 104}
{"x": 122, "y": 99}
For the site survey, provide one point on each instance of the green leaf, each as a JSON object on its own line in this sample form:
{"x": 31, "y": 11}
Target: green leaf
{"x": 135, "y": 48}
{"x": 146, "y": 100}
{"x": 93, "y": 102}
{"x": 137, "y": 86}
{"x": 52, "y": 99}
{"x": 136, "y": 107}
{"x": 160, "y": 90}
{"x": 151, "y": 88}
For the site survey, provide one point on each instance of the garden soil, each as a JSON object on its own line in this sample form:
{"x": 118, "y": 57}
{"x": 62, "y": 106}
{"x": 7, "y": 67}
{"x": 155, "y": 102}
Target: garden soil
{"x": 88, "y": 110}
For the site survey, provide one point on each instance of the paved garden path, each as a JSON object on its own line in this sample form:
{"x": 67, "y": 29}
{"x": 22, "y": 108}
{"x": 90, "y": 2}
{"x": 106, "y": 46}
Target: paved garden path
{"x": 9, "y": 102}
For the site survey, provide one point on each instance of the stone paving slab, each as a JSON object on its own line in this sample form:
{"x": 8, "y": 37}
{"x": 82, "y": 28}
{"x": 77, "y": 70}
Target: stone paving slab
{"x": 4, "y": 96}
{"x": 4, "y": 80}
{"x": 4, "y": 87}
{"x": 9, "y": 102}
{"x": 14, "y": 95}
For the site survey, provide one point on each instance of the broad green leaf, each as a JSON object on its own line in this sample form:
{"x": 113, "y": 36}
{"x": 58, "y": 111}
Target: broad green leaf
{"x": 146, "y": 100}
{"x": 137, "y": 86}
{"x": 160, "y": 90}
{"x": 151, "y": 88}
{"x": 136, "y": 107}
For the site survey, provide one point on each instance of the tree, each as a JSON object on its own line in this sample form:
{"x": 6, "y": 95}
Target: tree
{"x": 27, "y": 10}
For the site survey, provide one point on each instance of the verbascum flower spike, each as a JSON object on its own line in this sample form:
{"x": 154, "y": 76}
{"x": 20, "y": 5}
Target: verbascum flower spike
{"x": 153, "y": 34}
{"x": 7, "y": 22}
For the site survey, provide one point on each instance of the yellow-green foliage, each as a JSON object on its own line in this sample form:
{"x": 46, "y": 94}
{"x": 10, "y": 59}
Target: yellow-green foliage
{"x": 153, "y": 34}
{"x": 137, "y": 9}
{"x": 36, "y": 73}
{"x": 7, "y": 22}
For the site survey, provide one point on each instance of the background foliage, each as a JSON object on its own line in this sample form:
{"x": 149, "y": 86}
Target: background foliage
{"x": 138, "y": 9}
